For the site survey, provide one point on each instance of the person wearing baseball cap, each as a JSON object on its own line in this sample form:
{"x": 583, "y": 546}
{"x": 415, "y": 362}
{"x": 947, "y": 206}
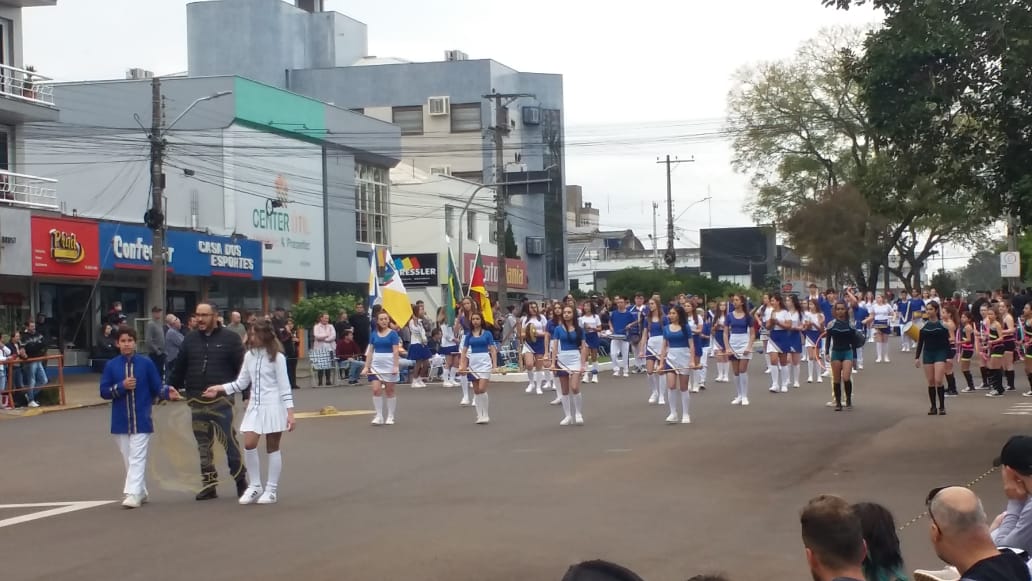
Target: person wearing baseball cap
{"x": 1013, "y": 528}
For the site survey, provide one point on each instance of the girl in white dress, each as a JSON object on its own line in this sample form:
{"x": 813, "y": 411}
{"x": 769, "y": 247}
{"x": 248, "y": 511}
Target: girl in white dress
{"x": 270, "y": 411}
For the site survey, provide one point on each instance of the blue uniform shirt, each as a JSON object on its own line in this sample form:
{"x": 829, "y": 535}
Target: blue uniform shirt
{"x": 621, "y": 320}
{"x": 677, "y": 339}
{"x": 568, "y": 340}
{"x": 131, "y": 409}
{"x": 386, "y": 343}
{"x": 480, "y": 344}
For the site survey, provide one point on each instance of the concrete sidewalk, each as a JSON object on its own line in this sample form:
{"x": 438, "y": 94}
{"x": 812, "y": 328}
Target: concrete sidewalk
{"x": 81, "y": 391}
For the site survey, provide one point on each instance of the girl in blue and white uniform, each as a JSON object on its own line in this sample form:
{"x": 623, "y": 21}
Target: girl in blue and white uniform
{"x": 652, "y": 346}
{"x": 779, "y": 326}
{"x": 739, "y": 336}
{"x": 795, "y": 338}
{"x": 700, "y": 333}
{"x": 883, "y": 313}
{"x": 813, "y": 326}
{"x": 676, "y": 359}
{"x": 569, "y": 357}
{"x": 719, "y": 348}
{"x": 591, "y": 324}
{"x": 479, "y": 358}
{"x": 533, "y": 344}
{"x": 449, "y": 349}
{"x": 382, "y": 361}
{"x": 556, "y": 318}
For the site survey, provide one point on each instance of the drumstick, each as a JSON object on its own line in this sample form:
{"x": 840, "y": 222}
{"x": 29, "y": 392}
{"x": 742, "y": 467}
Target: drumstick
{"x": 690, "y": 367}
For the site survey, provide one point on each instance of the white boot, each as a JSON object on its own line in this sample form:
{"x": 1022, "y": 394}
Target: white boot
{"x": 567, "y": 417}
{"x": 464, "y": 384}
{"x": 774, "y": 382}
{"x": 685, "y": 399}
{"x": 653, "y": 389}
{"x": 672, "y": 402}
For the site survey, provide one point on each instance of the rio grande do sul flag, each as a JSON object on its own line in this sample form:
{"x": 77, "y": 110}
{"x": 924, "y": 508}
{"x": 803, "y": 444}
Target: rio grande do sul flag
{"x": 478, "y": 291}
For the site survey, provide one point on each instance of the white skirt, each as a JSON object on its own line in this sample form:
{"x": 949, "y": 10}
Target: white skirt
{"x": 654, "y": 346}
{"x": 739, "y": 347}
{"x": 679, "y": 358}
{"x": 480, "y": 365}
{"x": 383, "y": 366}
{"x": 569, "y": 361}
{"x": 267, "y": 418}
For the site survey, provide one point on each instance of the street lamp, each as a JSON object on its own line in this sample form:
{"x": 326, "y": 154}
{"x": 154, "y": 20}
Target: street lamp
{"x": 191, "y": 106}
{"x": 692, "y": 205}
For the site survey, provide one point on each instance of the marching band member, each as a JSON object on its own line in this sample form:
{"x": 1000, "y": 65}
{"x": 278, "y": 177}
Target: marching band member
{"x": 813, "y": 325}
{"x": 382, "y": 360}
{"x": 1006, "y": 318}
{"x": 569, "y": 357}
{"x": 933, "y": 345}
{"x": 533, "y": 345}
{"x": 634, "y": 332}
{"x": 696, "y": 326}
{"x": 479, "y": 358}
{"x": 718, "y": 347}
{"x": 840, "y": 338}
{"x": 676, "y": 361}
{"x": 591, "y": 324}
{"x": 652, "y": 344}
{"x": 969, "y": 347}
{"x": 795, "y": 338}
{"x": 882, "y": 312}
{"x": 862, "y": 319}
{"x": 996, "y": 348}
{"x": 778, "y": 324}
{"x": 951, "y": 320}
{"x": 1026, "y": 344}
{"x": 619, "y": 320}
{"x": 739, "y": 336}
{"x": 449, "y": 349}
{"x": 983, "y": 341}
{"x": 462, "y": 329}
{"x": 763, "y": 314}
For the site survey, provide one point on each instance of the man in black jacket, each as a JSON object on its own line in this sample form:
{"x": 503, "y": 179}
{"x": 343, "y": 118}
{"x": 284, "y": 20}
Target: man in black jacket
{"x": 211, "y": 355}
{"x": 34, "y": 372}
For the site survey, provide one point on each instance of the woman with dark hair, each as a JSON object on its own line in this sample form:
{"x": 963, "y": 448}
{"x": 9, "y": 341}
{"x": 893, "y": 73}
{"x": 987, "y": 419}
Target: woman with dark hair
{"x": 739, "y": 336}
{"x": 951, "y": 319}
{"x": 841, "y": 337}
{"x": 569, "y": 357}
{"x": 884, "y": 560}
{"x": 933, "y": 347}
{"x": 382, "y": 363}
{"x": 675, "y": 361}
{"x": 462, "y": 328}
{"x": 779, "y": 326}
{"x": 417, "y": 351}
{"x": 270, "y": 411}
{"x": 591, "y": 324}
{"x": 479, "y": 358}
{"x": 795, "y": 338}
{"x": 533, "y": 344}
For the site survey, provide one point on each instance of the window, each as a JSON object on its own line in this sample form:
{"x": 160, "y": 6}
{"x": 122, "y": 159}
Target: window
{"x": 471, "y": 225}
{"x": 465, "y": 118}
{"x": 372, "y": 204}
{"x": 449, "y": 220}
{"x": 410, "y": 119}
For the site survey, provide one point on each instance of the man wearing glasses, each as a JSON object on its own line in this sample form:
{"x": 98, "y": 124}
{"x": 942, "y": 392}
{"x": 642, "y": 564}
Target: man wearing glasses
{"x": 960, "y": 536}
{"x": 834, "y": 539}
{"x": 211, "y": 355}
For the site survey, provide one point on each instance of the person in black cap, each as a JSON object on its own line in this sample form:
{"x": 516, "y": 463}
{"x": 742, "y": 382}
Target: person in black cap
{"x": 1013, "y": 528}
{"x": 599, "y": 570}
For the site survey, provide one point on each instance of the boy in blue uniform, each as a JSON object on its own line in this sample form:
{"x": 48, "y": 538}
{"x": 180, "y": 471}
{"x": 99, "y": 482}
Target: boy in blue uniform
{"x": 132, "y": 383}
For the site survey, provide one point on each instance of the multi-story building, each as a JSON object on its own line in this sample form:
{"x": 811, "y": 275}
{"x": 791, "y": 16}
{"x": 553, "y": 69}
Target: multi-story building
{"x": 26, "y": 96}
{"x": 581, "y": 218}
{"x": 269, "y": 197}
{"x": 447, "y": 124}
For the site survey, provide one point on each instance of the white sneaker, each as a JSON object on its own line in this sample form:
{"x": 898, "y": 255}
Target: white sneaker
{"x": 538, "y": 391}
{"x": 736, "y": 401}
{"x": 685, "y": 419}
{"x": 773, "y": 389}
{"x": 672, "y": 418}
{"x": 830, "y": 404}
{"x": 745, "y": 401}
{"x": 558, "y": 400}
{"x": 820, "y": 379}
{"x": 795, "y": 384}
{"x": 887, "y": 360}
{"x": 377, "y": 421}
{"x": 662, "y": 400}
{"x": 33, "y": 404}
{"x": 809, "y": 379}
{"x": 827, "y": 373}
{"x": 855, "y": 371}
{"x": 616, "y": 372}
{"x": 251, "y": 495}
{"x": 653, "y": 398}
{"x": 947, "y": 574}
{"x": 447, "y": 383}
{"x": 390, "y": 421}
{"x": 878, "y": 360}
{"x": 464, "y": 402}
{"x": 566, "y": 421}
{"x": 268, "y": 498}
{"x": 586, "y": 378}
{"x": 626, "y": 373}
{"x": 132, "y": 501}
{"x": 784, "y": 389}
{"x": 483, "y": 420}
{"x": 530, "y": 388}
{"x": 578, "y": 419}
{"x": 594, "y": 378}
{"x": 767, "y": 371}
{"x": 416, "y": 384}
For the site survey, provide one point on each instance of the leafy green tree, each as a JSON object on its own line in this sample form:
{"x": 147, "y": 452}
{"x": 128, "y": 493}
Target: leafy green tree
{"x": 629, "y": 281}
{"x": 945, "y": 283}
{"x": 511, "y": 251}
{"x": 306, "y": 313}
{"x": 982, "y": 272}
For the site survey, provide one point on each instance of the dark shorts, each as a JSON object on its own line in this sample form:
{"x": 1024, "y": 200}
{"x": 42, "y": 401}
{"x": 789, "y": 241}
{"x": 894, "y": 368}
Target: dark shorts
{"x": 931, "y": 356}
{"x": 967, "y": 354}
{"x": 843, "y": 355}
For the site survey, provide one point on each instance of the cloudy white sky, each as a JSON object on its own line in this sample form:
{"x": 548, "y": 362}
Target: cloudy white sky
{"x": 641, "y": 80}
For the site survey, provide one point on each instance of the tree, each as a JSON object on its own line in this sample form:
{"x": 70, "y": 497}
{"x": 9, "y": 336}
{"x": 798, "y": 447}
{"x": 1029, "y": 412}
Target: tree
{"x": 307, "y": 311}
{"x": 821, "y": 172}
{"x": 511, "y": 251}
{"x": 629, "y": 281}
{"x": 945, "y": 283}
{"x": 982, "y": 272}
{"x": 946, "y": 85}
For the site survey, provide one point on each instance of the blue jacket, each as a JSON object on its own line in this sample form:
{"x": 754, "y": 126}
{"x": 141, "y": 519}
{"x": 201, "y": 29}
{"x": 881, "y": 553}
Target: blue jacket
{"x": 131, "y": 410}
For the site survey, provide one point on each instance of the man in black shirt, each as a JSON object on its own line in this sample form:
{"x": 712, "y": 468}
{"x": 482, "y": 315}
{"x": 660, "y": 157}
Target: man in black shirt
{"x": 834, "y": 539}
{"x": 960, "y": 536}
{"x": 360, "y": 323}
{"x": 211, "y": 355}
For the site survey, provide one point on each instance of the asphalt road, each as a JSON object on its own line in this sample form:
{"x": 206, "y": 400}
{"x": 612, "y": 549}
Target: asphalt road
{"x": 437, "y": 497}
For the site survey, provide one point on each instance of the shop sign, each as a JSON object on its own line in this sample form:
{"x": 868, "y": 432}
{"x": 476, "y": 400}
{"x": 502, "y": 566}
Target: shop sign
{"x": 189, "y": 253}
{"x": 65, "y": 247}
{"x": 417, "y": 270}
{"x": 516, "y": 271}
{"x": 15, "y": 242}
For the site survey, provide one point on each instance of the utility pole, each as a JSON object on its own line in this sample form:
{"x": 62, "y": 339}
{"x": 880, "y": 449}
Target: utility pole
{"x": 1012, "y": 246}
{"x": 155, "y": 217}
{"x": 671, "y": 255}
{"x": 655, "y": 235}
{"x": 499, "y": 132}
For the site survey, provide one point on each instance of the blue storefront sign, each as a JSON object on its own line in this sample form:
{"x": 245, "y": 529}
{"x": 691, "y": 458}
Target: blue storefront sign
{"x": 190, "y": 253}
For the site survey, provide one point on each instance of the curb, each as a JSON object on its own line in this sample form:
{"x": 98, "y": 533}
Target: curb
{"x": 34, "y": 412}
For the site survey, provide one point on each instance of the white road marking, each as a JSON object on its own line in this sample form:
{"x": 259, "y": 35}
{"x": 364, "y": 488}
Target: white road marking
{"x": 61, "y": 508}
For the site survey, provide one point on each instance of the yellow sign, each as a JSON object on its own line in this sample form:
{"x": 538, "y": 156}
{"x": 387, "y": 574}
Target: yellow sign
{"x": 65, "y": 247}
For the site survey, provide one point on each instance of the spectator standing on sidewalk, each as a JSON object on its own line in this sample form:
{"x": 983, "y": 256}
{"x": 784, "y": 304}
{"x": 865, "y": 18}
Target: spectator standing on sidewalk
{"x": 211, "y": 355}
{"x": 35, "y": 345}
{"x": 173, "y": 341}
{"x": 154, "y": 334}
{"x": 236, "y": 325}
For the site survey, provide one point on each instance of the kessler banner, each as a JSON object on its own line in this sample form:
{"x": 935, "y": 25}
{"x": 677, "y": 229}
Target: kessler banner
{"x": 65, "y": 247}
{"x": 417, "y": 270}
{"x": 516, "y": 275}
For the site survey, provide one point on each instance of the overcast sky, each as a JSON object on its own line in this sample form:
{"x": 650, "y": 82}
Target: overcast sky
{"x": 641, "y": 80}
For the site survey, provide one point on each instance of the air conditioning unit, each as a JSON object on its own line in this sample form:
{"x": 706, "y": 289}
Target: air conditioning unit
{"x": 440, "y": 170}
{"x": 138, "y": 74}
{"x": 455, "y": 55}
{"x": 535, "y": 246}
{"x": 532, "y": 115}
{"x": 438, "y": 106}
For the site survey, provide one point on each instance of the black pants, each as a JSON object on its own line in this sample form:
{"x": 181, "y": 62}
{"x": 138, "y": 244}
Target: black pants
{"x": 292, "y": 371}
{"x": 159, "y": 362}
{"x": 213, "y": 422}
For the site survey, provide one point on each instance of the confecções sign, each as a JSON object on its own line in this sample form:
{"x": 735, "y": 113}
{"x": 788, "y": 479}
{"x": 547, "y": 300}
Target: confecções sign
{"x": 189, "y": 253}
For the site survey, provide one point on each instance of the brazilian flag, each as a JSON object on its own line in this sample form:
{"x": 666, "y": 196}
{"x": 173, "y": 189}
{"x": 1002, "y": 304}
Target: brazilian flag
{"x": 454, "y": 292}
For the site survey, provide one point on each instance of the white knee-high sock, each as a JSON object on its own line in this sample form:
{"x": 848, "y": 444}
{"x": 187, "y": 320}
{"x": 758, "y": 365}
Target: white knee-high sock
{"x": 483, "y": 403}
{"x": 745, "y": 384}
{"x": 565, "y": 400}
{"x": 685, "y": 399}
{"x": 810, "y": 363}
{"x": 860, "y": 356}
{"x": 578, "y": 403}
{"x": 531, "y": 376}
{"x": 795, "y": 371}
{"x": 253, "y": 463}
{"x": 738, "y": 385}
{"x": 464, "y": 384}
{"x": 275, "y": 469}
{"x": 378, "y": 405}
{"x": 549, "y": 378}
{"x": 392, "y": 404}
{"x": 672, "y": 400}
{"x": 774, "y": 379}
{"x": 653, "y": 385}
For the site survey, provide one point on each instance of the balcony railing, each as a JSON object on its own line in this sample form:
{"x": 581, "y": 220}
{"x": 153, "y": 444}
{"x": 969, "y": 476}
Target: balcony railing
{"x": 27, "y": 191}
{"x": 26, "y": 85}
